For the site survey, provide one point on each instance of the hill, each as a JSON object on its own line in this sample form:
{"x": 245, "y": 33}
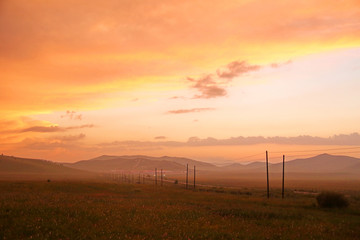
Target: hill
{"x": 251, "y": 167}
{"x": 25, "y": 168}
{"x": 323, "y": 163}
{"x": 107, "y": 163}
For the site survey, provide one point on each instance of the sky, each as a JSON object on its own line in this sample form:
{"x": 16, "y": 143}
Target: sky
{"x": 219, "y": 82}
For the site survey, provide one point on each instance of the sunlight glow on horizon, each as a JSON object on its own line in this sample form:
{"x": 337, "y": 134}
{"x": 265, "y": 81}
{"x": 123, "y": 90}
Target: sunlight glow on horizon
{"x": 73, "y": 81}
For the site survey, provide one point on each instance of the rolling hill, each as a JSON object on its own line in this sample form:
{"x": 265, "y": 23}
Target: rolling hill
{"x": 323, "y": 163}
{"x": 253, "y": 166}
{"x": 138, "y": 162}
{"x": 318, "y": 165}
{"x": 24, "y": 168}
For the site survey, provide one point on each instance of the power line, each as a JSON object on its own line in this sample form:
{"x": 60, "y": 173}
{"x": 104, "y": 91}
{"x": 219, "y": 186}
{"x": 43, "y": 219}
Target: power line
{"x": 262, "y": 153}
{"x": 311, "y": 154}
{"x": 318, "y": 150}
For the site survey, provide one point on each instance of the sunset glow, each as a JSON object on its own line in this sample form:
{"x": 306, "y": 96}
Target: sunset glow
{"x": 217, "y": 82}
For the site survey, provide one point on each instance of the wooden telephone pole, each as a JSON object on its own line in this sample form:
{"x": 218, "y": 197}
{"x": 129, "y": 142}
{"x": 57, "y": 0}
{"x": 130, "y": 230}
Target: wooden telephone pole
{"x": 194, "y": 176}
{"x": 283, "y": 178}
{"x": 187, "y": 175}
{"x": 155, "y": 176}
{"x": 267, "y": 175}
{"x": 161, "y": 177}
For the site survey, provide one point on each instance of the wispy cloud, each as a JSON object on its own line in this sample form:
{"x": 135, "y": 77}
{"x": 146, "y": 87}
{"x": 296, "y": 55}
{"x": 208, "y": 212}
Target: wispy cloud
{"x": 277, "y": 65}
{"x": 160, "y": 137}
{"x": 79, "y": 127}
{"x": 208, "y": 87}
{"x": 214, "y": 85}
{"x": 70, "y": 138}
{"x": 49, "y": 129}
{"x": 341, "y": 140}
{"x": 235, "y": 69}
{"x": 72, "y": 115}
{"x": 41, "y": 129}
{"x": 192, "y": 110}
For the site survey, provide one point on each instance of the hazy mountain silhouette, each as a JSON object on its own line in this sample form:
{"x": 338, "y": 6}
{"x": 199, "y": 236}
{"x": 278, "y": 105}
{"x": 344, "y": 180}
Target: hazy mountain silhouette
{"x": 248, "y": 167}
{"x": 323, "y": 163}
{"x": 139, "y": 162}
{"x": 15, "y": 167}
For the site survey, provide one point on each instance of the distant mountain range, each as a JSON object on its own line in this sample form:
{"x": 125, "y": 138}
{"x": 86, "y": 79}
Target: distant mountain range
{"x": 25, "y": 168}
{"x": 107, "y": 163}
{"x": 322, "y": 164}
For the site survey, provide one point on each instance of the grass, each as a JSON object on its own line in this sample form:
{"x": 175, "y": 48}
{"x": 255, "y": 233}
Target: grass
{"x": 107, "y": 210}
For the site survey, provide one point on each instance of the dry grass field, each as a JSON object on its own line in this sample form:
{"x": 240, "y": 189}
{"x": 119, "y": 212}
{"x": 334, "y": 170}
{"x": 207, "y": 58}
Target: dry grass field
{"x": 113, "y": 210}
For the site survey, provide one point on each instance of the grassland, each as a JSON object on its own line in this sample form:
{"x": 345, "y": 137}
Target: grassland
{"x": 108, "y": 210}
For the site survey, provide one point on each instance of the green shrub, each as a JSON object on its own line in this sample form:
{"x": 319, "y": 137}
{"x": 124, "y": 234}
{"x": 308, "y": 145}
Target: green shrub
{"x": 331, "y": 200}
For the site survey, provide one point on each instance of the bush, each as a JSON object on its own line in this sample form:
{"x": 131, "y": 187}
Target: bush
{"x": 176, "y": 181}
{"x": 331, "y": 200}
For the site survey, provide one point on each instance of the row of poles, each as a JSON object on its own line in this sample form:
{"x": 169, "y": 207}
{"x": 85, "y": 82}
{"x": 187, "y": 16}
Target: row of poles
{"x": 131, "y": 179}
{"x": 186, "y": 180}
{"x": 128, "y": 177}
{"x": 267, "y": 176}
{"x": 125, "y": 178}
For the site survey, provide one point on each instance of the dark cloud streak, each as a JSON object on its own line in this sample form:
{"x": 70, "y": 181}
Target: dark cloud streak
{"x": 235, "y": 69}
{"x": 208, "y": 87}
{"x": 43, "y": 129}
{"x": 214, "y": 85}
{"x": 192, "y": 110}
{"x": 340, "y": 140}
{"x": 160, "y": 137}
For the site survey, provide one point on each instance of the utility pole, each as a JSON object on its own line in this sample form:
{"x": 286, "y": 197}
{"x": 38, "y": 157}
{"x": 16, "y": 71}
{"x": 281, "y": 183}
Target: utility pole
{"x": 161, "y": 177}
{"x": 187, "y": 175}
{"x": 267, "y": 174}
{"x": 155, "y": 176}
{"x": 283, "y": 178}
{"x": 194, "y": 176}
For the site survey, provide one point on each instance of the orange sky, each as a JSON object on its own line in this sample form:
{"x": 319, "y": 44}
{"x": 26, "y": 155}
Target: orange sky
{"x": 90, "y": 77}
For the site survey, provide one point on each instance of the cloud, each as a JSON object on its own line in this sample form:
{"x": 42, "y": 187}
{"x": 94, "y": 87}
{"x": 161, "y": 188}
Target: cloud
{"x": 70, "y": 138}
{"x": 72, "y": 55}
{"x": 160, "y": 137}
{"x": 53, "y": 144}
{"x": 277, "y": 65}
{"x": 177, "y": 97}
{"x": 214, "y": 85}
{"x": 80, "y": 126}
{"x": 208, "y": 87}
{"x": 140, "y": 144}
{"x": 235, "y": 69}
{"x": 340, "y": 140}
{"x": 44, "y": 129}
{"x": 180, "y": 111}
{"x": 72, "y": 115}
